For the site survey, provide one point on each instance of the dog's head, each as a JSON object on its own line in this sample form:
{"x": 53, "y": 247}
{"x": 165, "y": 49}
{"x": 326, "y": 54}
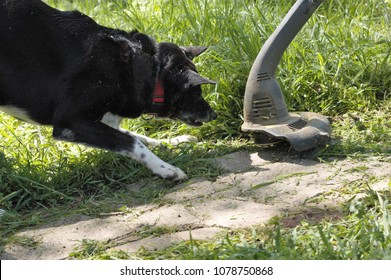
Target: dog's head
{"x": 178, "y": 82}
{"x": 181, "y": 84}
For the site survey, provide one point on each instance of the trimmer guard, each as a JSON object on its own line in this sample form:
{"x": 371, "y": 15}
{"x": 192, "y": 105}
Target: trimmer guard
{"x": 303, "y": 130}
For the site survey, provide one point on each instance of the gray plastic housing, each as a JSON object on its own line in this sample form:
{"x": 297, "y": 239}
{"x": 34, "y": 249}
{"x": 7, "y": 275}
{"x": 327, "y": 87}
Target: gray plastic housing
{"x": 264, "y": 103}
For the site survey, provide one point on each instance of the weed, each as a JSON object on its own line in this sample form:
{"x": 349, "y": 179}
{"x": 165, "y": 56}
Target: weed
{"x": 97, "y": 250}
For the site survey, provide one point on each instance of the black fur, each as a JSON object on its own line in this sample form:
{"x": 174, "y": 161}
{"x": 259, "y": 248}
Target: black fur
{"x": 63, "y": 69}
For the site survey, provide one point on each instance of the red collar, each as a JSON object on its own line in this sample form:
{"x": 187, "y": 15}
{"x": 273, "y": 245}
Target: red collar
{"x": 157, "y": 99}
{"x": 158, "y": 93}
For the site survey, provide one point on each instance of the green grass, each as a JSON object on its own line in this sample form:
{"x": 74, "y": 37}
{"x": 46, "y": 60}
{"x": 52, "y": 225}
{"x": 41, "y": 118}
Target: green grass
{"x": 338, "y": 65}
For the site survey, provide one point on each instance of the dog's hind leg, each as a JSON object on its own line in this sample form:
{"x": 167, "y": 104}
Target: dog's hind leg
{"x": 164, "y": 170}
{"x": 181, "y": 139}
{"x": 154, "y": 142}
{"x": 114, "y": 122}
{"x": 100, "y": 135}
{"x": 142, "y": 138}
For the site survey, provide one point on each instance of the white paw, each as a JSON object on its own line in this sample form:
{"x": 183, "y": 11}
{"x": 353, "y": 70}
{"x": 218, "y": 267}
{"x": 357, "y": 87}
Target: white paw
{"x": 2, "y": 212}
{"x": 183, "y": 139}
{"x": 169, "y": 172}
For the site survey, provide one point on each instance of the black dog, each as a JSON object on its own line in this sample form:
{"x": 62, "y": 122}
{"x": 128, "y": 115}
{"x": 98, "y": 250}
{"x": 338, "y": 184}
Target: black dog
{"x": 63, "y": 69}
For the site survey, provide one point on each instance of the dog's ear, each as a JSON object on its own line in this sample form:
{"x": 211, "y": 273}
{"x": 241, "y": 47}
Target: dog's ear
{"x": 195, "y": 79}
{"x": 108, "y": 45}
{"x": 192, "y": 52}
{"x": 148, "y": 45}
{"x": 126, "y": 47}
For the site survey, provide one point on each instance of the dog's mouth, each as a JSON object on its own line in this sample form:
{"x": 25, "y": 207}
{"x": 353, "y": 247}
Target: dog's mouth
{"x": 191, "y": 121}
{"x": 195, "y": 123}
{"x": 195, "y": 119}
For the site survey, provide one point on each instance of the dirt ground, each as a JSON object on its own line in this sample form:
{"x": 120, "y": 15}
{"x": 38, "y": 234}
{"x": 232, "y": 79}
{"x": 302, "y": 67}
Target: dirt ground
{"x": 254, "y": 188}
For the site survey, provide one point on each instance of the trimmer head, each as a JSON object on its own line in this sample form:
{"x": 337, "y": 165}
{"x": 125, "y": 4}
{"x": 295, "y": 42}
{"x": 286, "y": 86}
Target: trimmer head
{"x": 303, "y": 130}
{"x": 266, "y": 116}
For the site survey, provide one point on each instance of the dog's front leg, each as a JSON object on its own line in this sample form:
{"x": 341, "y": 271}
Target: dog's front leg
{"x": 100, "y": 135}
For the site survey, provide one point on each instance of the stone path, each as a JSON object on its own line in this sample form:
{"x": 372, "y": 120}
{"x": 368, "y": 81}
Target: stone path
{"x": 254, "y": 188}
